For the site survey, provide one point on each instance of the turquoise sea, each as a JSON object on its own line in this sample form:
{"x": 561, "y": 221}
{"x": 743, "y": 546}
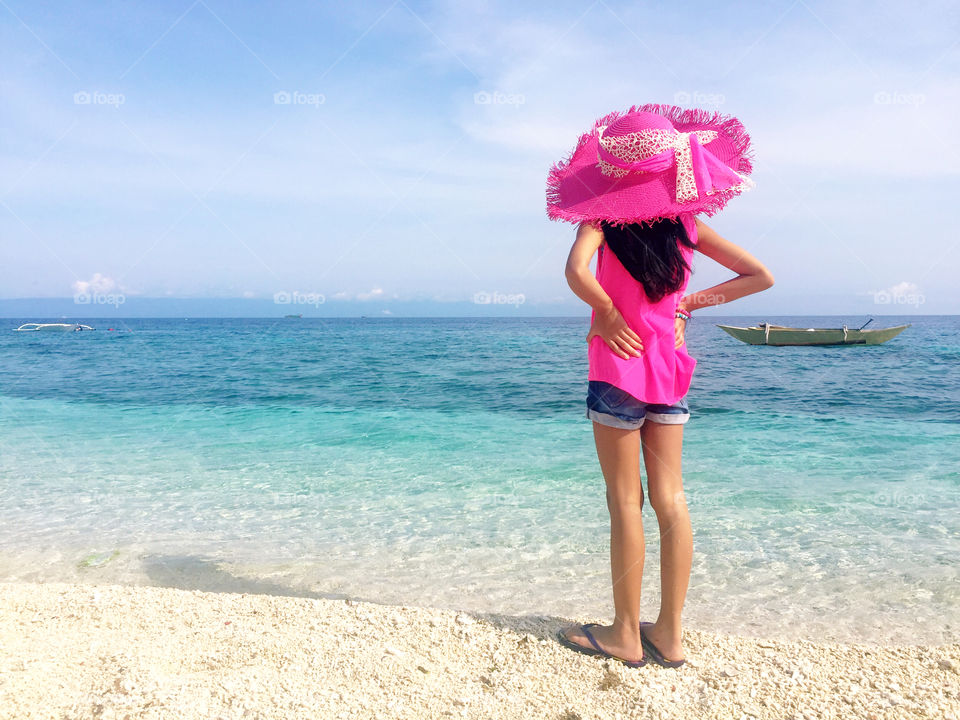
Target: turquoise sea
{"x": 448, "y": 462}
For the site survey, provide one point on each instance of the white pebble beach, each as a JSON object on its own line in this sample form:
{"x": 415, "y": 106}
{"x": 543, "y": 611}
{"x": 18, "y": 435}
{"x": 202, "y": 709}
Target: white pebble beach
{"x": 116, "y": 651}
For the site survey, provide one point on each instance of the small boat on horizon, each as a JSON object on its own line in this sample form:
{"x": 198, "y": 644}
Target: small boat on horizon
{"x": 52, "y": 327}
{"x": 294, "y": 316}
{"x": 766, "y": 334}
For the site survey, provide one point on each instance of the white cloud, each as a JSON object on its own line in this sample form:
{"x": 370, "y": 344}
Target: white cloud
{"x": 97, "y": 285}
{"x": 904, "y": 288}
{"x": 374, "y": 294}
{"x": 853, "y": 115}
{"x": 437, "y": 164}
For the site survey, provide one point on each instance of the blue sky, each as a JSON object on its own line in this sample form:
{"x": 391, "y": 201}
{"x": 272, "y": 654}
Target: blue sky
{"x": 390, "y": 155}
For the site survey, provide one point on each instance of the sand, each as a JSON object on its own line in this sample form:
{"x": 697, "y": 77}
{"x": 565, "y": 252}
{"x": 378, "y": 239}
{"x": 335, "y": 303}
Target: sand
{"x": 114, "y": 651}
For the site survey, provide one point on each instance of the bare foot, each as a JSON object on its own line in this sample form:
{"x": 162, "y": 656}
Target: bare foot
{"x": 613, "y": 642}
{"x": 670, "y": 646}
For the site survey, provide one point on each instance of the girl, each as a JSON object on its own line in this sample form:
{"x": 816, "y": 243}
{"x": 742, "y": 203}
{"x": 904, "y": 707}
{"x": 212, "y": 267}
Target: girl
{"x": 634, "y": 185}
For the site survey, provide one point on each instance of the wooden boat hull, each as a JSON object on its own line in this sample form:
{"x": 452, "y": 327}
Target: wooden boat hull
{"x": 780, "y": 335}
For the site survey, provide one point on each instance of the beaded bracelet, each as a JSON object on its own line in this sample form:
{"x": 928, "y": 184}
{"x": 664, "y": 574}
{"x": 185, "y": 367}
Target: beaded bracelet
{"x": 684, "y": 314}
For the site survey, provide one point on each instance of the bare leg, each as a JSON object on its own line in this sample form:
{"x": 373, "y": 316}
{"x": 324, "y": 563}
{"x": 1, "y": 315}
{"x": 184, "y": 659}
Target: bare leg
{"x": 662, "y": 446}
{"x": 619, "y": 454}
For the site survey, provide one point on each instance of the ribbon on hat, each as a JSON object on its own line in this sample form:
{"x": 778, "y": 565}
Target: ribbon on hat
{"x": 698, "y": 169}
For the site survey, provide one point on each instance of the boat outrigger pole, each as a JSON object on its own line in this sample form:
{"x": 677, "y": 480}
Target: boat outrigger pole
{"x": 865, "y": 324}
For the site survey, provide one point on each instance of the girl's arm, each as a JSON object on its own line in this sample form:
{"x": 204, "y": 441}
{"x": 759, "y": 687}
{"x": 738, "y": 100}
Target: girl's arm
{"x": 607, "y": 323}
{"x": 752, "y": 277}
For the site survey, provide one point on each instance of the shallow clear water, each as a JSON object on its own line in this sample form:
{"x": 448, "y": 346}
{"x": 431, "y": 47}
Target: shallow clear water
{"x": 448, "y": 462}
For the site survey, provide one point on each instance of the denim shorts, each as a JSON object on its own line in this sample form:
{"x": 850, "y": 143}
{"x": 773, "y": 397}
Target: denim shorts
{"x": 609, "y": 405}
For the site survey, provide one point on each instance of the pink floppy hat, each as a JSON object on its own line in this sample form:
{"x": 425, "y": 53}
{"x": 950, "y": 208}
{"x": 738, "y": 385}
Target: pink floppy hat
{"x": 649, "y": 163}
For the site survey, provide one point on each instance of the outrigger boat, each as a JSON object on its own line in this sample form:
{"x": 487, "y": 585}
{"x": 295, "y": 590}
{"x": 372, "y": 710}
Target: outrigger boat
{"x": 52, "y": 327}
{"x": 767, "y": 334}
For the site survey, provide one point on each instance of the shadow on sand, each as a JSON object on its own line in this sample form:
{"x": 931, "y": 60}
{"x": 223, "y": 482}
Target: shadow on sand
{"x": 192, "y": 572}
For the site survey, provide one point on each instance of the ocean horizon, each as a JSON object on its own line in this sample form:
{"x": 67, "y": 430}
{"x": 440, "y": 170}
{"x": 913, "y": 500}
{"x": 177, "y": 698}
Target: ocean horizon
{"x": 447, "y": 462}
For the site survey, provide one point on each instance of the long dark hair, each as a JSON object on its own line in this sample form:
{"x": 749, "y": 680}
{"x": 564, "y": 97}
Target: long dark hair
{"x": 651, "y": 254}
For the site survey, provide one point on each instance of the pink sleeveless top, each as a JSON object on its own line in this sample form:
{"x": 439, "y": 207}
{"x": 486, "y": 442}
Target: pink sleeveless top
{"x": 663, "y": 373}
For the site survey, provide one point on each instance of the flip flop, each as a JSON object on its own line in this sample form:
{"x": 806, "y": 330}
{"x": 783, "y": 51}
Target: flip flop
{"x": 655, "y": 654}
{"x": 598, "y": 651}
